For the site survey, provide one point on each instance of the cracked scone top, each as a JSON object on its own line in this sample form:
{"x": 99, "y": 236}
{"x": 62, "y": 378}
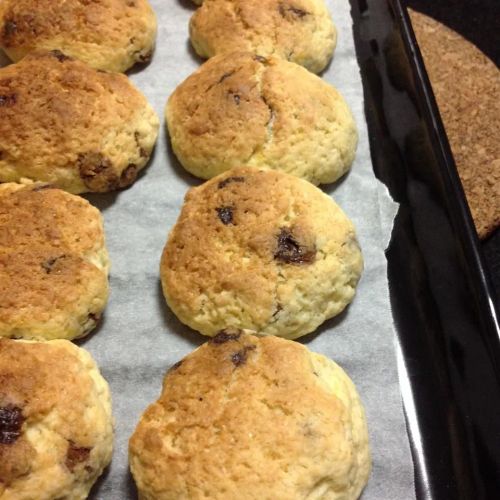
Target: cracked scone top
{"x": 300, "y": 31}
{"x": 253, "y": 418}
{"x": 78, "y": 128}
{"x": 262, "y": 250}
{"x": 56, "y": 429}
{"x": 241, "y": 109}
{"x": 111, "y": 35}
{"x": 53, "y": 263}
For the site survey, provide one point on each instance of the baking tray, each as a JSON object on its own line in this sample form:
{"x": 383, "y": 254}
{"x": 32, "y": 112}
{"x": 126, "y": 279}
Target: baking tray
{"x": 443, "y": 303}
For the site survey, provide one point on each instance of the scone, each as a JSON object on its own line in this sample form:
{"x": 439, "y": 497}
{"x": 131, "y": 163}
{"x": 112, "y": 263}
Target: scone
{"x": 78, "y": 128}
{"x": 53, "y": 263}
{"x": 56, "y": 427}
{"x": 300, "y": 31}
{"x": 261, "y": 250}
{"x": 111, "y": 35}
{"x": 241, "y": 109}
{"x": 252, "y": 417}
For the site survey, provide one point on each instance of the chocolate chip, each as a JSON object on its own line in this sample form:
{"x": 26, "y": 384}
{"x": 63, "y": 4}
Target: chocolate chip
{"x": 97, "y": 172}
{"x": 129, "y": 175}
{"x": 225, "y": 182}
{"x": 284, "y": 9}
{"x": 75, "y": 455}
{"x": 43, "y": 187}
{"x": 290, "y": 251}
{"x": 11, "y": 421}
{"x": 240, "y": 358}
{"x": 8, "y": 100}
{"x": 237, "y": 99}
{"x": 59, "y": 55}
{"x": 144, "y": 58}
{"x": 48, "y": 265}
{"x": 226, "y": 75}
{"x": 225, "y": 215}
{"x": 95, "y": 317}
{"x": 260, "y": 59}
{"x": 9, "y": 28}
{"x": 279, "y": 308}
{"x": 142, "y": 152}
{"x": 298, "y": 12}
{"x": 225, "y": 336}
{"x": 175, "y": 366}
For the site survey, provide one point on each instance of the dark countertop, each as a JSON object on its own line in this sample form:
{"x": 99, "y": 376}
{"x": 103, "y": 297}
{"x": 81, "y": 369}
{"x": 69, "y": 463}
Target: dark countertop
{"x": 478, "y": 22}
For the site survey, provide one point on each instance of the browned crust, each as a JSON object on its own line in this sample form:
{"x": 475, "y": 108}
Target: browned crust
{"x": 247, "y": 415}
{"x": 38, "y": 379}
{"x": 107, "y": 34}
{"x": 47, "y": 238}
{"x": 57, "y": 119}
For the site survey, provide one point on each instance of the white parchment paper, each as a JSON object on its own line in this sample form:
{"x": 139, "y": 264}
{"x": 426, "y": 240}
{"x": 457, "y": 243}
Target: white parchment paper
{"x": 139, "y": 337}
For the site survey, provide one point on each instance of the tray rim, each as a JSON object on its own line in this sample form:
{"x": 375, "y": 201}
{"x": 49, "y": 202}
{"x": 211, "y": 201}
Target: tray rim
{"x": 466, "y": 238}
{"x": 433, "y": 118}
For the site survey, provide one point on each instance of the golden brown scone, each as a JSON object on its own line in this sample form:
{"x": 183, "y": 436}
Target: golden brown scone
{"x": 78, "y": 128}
{"x": 241, "y": 109}
{"x": 110, "y": 35}
{"x": 56, "y": 427}
{"x": 467, "y": 89}
{"x": 252, "y": 418}
{"x": 262, "y": 250}
{"x": 53, "y": 263}
{"x": 300, "y": 31}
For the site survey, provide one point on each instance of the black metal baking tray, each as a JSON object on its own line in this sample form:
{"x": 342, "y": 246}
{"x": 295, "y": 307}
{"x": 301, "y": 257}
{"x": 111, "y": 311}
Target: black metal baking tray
{"x": 443, "y": 304}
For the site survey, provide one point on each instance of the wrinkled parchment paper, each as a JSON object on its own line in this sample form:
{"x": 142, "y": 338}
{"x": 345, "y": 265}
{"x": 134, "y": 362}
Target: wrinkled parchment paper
{"x": 140, "y": 338}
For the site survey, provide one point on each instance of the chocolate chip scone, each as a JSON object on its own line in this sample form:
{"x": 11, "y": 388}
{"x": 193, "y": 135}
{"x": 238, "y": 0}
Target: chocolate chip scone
{"x": 111, "y": 35}
{"x": 56, "y": 427}
{"x": 262, "y": 250}
{"x": 241, "y": 109}
{"x": 252, "y": 418}
{"x": 78, "y": 128}
{"x": 300, "y": 31}
{"x": 53, "y": 263}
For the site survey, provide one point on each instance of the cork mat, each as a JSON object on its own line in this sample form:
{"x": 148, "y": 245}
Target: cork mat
{"x": 467, "y": 88}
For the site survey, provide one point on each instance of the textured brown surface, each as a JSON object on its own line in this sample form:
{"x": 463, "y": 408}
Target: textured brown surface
{"x": 300, "y": 31}
{"x": 262, "y": 250}
{"x": 65, "y": 123}
{"x": 252, "y": 418}
{"x": 467, "y": 89}
{"x": 107, "y": 34}
{"x": 64, "y": 407}
{"x": 241, "y": 109}
{"x": 53, "y": 263}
